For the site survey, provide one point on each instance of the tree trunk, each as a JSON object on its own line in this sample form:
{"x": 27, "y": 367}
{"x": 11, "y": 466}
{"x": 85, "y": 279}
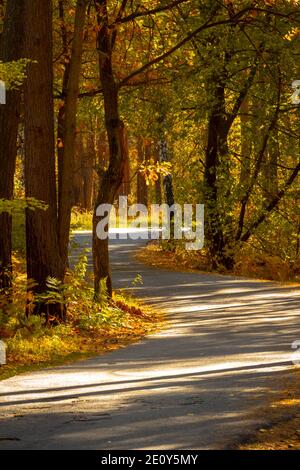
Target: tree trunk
{"x": 78, "y": 182}
{"x": 216, "y": 168}
{"x": 11, "y": 49}
{"x": 67, "y": 169}
{"x": 167, "y": 180}
{"x": 168, "y": 191}
{"x": 245, "y": 146}
{"x": 142, "y": 189}
{"x": 42, "y": 254}
{"x": 62, "y": 108}
{"x": 113, "y": 176}
{"x": 88, "y": 163}
{"x": 158, "y": 182}
{"x": 125, "y": 186}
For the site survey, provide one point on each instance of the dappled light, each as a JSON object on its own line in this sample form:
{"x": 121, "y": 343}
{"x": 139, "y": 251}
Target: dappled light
{"x": 226, "y": 346}
{"x": 149, "y": 226}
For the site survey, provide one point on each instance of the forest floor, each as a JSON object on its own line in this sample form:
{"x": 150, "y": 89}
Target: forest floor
{"x": 90, "y": 329}
{"x": 257, "y": 267}
{"x": 218, "y": 372}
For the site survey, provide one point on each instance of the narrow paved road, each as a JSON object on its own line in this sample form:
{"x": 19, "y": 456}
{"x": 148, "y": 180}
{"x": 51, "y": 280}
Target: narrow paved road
{"x": 197, "y": 385}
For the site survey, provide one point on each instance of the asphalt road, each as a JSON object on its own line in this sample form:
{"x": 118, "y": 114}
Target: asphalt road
{"x": 198, "y": 384}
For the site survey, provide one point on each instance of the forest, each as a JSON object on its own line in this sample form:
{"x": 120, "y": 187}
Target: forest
{"x": 169, "y": 102}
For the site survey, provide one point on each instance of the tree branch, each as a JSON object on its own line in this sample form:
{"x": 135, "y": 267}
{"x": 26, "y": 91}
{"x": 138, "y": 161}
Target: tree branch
{"x": 271, "y": 205}
{"x": 258, "y": 163}
{"x": 203, "y": 27}
{"x": 140, "y": 14}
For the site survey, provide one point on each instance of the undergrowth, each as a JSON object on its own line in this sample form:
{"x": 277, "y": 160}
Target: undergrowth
{"x": 81, "y": 219}
{"x": 250, "y": 261}
{"x": 90, "y": 327}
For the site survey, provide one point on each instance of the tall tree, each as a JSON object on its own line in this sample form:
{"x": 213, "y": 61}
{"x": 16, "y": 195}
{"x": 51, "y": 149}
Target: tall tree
{"x": 112, "y": 178}
{"x": 10, "y": 50}
{"x": 66, "y": 167}
{"x": 42, "y": 248}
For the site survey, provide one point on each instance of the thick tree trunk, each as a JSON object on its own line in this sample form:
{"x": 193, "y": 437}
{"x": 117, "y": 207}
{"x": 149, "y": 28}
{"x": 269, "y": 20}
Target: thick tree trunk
{"x": 42, "y": 253}
{"x": 113, "y": 176}
{"x": 11, "y": 49}
{"x": 216, "y": 167}
{"x": 67, "y": 168}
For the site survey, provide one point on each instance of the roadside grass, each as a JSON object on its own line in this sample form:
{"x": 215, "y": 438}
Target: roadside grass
{"x": 91, "y": 328}
{"x": 83, "y": 220}
{"x": 248, "y": 263}
{"x": 155, "y": 255}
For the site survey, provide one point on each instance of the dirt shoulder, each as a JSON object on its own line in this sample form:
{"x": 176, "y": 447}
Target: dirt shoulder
{"x": 282, "y": 422}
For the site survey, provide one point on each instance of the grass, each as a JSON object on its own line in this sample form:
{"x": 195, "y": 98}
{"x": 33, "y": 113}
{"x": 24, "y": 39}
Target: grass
{"x": 179, "y": 260}
{"x": 249, "y": 263}
{"x": 91, "y": 328}
{"x": 83, "y": 220}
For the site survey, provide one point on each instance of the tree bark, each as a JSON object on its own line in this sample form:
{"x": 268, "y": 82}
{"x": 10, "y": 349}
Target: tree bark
{"x": 78, "y": 181}
{"x": 67, "y": 168}
{"x": 42, "y": 253}
{"x": 88, "y": 164}
{"x": 10, "y": 49}
{"x": 216, "y": 160}
{"x": 111, "y": 178}
{"x": 142, "y": 189}
{"x": 125, "y": 186}
{"x": 61, "y": 112}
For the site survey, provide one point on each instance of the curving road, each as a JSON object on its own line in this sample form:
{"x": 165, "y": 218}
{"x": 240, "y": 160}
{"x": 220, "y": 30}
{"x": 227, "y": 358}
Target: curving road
{"x": 198, "y": 384}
